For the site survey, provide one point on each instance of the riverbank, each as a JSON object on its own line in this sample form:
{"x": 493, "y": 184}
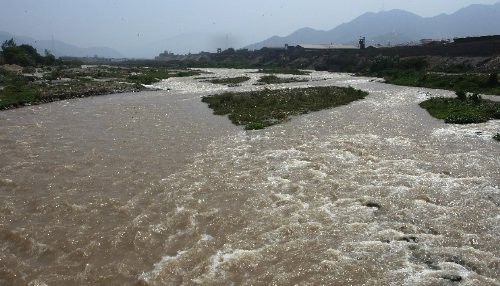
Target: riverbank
{"x": 459, "y": 74}
{"x": 31, "y": 86}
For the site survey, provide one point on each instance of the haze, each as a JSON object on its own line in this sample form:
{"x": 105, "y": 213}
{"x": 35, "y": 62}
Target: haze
{"x": 131, "y": 26}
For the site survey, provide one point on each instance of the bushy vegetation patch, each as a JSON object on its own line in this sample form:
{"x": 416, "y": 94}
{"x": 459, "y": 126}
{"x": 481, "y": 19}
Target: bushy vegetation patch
{"x": 417, "y": 72}
{"x": 16, "y": 89}
{"x": 272, "y": 79}
{"x": 497, "y": 137}
{"x": 477, "y": 83}
{"x": 458, "y": 110}
{"x": 24, "y": 55}
{"x": 283, "y": 71}
{"x": 152, "y": 75}
{"x": 230, "y": 80}
{"x": 383, "y": 66}
{"x": 260, "y": 109}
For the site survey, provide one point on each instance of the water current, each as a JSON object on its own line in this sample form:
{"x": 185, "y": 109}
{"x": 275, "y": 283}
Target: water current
{"x": 150, "y": 188}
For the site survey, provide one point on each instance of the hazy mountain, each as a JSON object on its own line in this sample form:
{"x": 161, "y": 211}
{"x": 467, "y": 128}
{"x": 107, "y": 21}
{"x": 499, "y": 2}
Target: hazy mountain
{"x": 397, "y": 27}
{"x": 180, "y": 44}
{"x": 59, "y": 48}
{"x": 185, "y": 43}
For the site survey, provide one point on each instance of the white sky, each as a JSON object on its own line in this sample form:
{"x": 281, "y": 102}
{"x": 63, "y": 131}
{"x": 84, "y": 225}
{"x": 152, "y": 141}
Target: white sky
{"x": 120, "y": 24}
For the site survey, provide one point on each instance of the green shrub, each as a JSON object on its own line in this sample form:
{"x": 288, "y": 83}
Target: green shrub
{"x": 461, "y": 95}
{"x": 475, "y": 98}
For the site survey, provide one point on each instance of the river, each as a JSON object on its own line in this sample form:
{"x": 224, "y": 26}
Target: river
{"x": 150, "y": 188}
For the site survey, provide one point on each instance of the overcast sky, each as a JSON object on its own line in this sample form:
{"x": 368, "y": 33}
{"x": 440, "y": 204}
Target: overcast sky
{"x": 121, "y": 24}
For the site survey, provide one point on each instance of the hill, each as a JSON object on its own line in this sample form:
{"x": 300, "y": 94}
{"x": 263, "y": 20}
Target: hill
{"x": 60, "y": 49}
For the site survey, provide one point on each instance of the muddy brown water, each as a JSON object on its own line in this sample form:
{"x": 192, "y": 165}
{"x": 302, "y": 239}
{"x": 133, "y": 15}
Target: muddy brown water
{"x": 150, "y": 188}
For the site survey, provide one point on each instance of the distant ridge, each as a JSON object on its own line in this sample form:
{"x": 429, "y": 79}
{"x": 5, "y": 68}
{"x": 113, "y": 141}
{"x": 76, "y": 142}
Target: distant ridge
{"x": 60, "y": 49}
{"x": 398, "y": 27}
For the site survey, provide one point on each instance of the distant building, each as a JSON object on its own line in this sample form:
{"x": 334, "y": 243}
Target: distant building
{"x": 277, "y": 47}
{"x": 428, "y": 42}
{"x": 311, "y": 47}
{"x": 477, "y": 39}
{"x": 362, "y": 43}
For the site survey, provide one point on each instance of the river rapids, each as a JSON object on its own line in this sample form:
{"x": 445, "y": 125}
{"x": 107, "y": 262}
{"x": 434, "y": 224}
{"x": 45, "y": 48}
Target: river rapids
{"x": 151, "y": 188}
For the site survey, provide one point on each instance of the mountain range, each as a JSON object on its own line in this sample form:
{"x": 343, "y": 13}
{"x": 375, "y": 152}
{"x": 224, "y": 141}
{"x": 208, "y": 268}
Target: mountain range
{"x": 387, "y": 27}
{"x": 60, "y": 49}
{"x": 398, "y": 27}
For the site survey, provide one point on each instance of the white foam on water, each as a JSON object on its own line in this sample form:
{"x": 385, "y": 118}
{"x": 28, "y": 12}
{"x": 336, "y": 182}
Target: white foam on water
{"x": 479, "y": 131}
{"x": 37, "y": 282}
{"x": 224, "y": 260}
{"x": 159, "y": 267}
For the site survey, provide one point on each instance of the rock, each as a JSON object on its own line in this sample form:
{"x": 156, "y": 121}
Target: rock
{"x": 454, "y": 278}
{"x": 411, "y": 239}
{"x": 372, "y": 205}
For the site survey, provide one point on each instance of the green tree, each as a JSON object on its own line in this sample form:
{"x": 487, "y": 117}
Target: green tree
{"x": 9, "y": 48}
{"x": 9, "y": 44}
{"x": 24, "y": 55}
{"x": 461, "y": 95}
{"x": 49, "y": 58}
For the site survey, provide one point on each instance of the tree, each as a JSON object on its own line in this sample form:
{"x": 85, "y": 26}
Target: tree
{"x": 9, "y": 51}
{"x": 24, "y": 55}
{"x": 49, "y": 58}
{"x": 8, "y": 44}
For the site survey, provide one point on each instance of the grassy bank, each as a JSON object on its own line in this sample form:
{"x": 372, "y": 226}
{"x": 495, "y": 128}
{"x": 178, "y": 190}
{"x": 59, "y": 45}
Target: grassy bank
{"x": 423, "y": 72}
{"x": 230, "y": 80}
{"x": 47, "y": 84}
{"x": 18, "y": 92}
{"x": 462, "y": 110}
{"x": 476, "y": 83}
{"x": 260, "y": 109}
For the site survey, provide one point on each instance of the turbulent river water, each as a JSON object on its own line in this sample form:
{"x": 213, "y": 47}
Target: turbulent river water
{"x": 150, "y": 188}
